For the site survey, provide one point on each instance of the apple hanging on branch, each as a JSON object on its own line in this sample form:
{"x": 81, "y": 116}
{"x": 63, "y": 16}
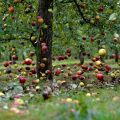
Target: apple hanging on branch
{"x": 40, "y": 20}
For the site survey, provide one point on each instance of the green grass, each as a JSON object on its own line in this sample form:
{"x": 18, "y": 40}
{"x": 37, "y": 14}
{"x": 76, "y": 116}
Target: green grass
{"x": 71, "y": 62}
{"x": 103, "y": 104}
{"x": 68, "y": 62}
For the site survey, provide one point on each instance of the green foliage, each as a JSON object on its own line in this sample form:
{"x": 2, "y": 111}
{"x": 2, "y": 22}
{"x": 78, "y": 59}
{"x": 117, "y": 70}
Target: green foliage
{"x": 69, "y": 26}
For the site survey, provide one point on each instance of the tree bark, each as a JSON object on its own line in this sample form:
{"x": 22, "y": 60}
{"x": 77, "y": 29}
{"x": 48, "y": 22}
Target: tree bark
{"x": 81, "y": 56}
{"x": 116, "y": 55}
{"x": 45, "y": 35}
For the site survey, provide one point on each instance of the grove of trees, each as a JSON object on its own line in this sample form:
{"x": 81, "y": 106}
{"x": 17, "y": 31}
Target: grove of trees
{"x": 64, "y": 48}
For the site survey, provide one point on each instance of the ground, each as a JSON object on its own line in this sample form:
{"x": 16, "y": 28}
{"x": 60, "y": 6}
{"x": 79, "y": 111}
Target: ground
{"x": 103, "y": 104}
{"x": 94, "y": 103}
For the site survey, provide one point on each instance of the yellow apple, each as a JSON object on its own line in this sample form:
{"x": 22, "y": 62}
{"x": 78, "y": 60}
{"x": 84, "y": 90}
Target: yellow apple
{"x": 33, "y": 38}
{"x": 88, "y": 94}
{"x": 82, "y": 84}
{"x": 98, "y": 63}
{"x": 40, "y": 20}
{"x": 68, "y": 100}
{"x": 37, "y": 80}
{"x": 102, "y": 52}
{"x": 37, "y": 87}
{"x": 2, "y": 94}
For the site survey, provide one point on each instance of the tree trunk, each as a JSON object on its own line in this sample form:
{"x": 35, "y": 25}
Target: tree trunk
{"x": 81, "y": 56}
{"x": 116, "y": 55}
{"x": 45, "y": 36}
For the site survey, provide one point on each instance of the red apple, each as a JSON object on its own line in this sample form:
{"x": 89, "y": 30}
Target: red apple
{"x": 32, "y": 54}
{"x": 44, "y": 48}
{"x": 107, "y": 68}
{"x": 85, "y": 67}
{"x": 79, "y": 72}
{"x": 30, "y": 73}
{"x": 68, "y": 54}
{"x": 65, "y": 57}
{"x": 33, "y": 23}
{"x": 92, "y": 38}
{"x": 10, "y": 62}
{"x": 43, "y": 44}
{"x": 90, "y": 69}
{"x": 20, "y": 69}
{"x": 6, "y": 64}
{"x": 81, "y": 77}
{"x": 48, "y": 72}
{"x": 74, "y": 77}
{"x": 57, "y": 72}
{"x": 101, "y": 8}
{"x": 14, "y": 57}
{"x": 11, "y": 9}
{"x": 97, "y": 58}
{"x": 22, "y": 79}
{"x": 100, "y": 76}
{"x": 64, "y": 65}
{"x": 33, "y": 71}
{"x": 68, "y": 51}
{"x": 13, "y": 17}
{"x": 28, "y": 61}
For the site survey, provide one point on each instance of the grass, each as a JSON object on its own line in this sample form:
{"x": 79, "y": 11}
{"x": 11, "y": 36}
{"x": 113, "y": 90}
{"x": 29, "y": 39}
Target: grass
{"x": 71, "y": 62}
{"x": 99, "y": 104}
{"x": 104, "y": 105}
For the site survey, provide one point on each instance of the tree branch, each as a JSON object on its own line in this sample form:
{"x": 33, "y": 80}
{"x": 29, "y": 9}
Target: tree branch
{"x": 80, "y": 12}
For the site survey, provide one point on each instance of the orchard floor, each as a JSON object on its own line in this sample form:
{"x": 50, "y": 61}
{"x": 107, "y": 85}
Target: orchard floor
{"x": 95, "y": 103}
{"x": 104, "y": 105}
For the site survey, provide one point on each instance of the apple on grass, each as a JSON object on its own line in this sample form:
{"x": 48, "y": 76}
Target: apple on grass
{"x": 32, "y": 54}
{"x": 80, "y": 72}
{"x": 102, "y": 52}
{"x": 100, "y": 76}
{"x": 33, "y": 71}
{"x": 85, "y": 67}
{"x": 98, "y": 63}
{"x": 74, "y": 77}
{"x": 35, "y": 81}
{"x": 28, "y": 61}
{"x": 22, "y": 79}
{"x": 57, "y": 72}
{"x": 81, "y": 77}
{"x": 14, "y": 57}
{"x": 108, "y": 68}
{"x": 6, "y": 64}
{"x": 11, "y": 9}
{"x": 68, "y": 50}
